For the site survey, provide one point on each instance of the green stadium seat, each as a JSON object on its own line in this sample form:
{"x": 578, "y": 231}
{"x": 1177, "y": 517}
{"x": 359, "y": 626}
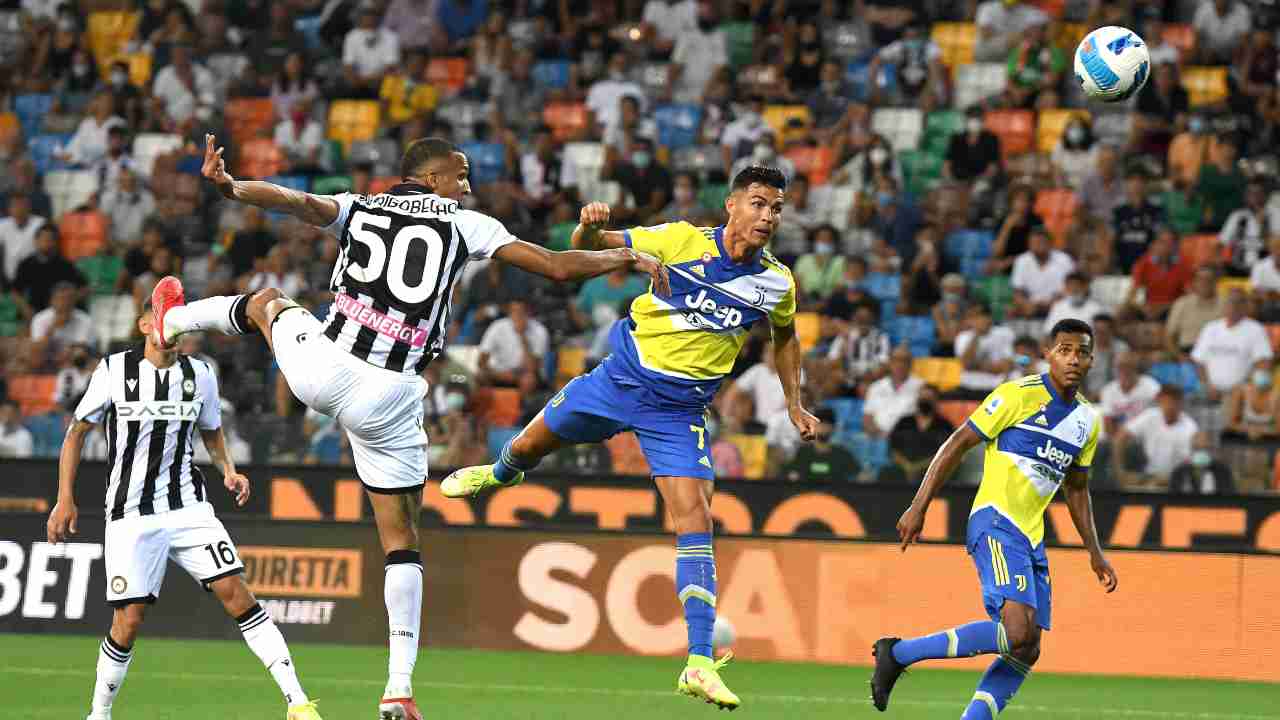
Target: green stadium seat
{"x": 101, "y": 271}
{"x": 10, "y": 320}
{"x": 741, "y": 38}
{"x": 332, "y": 185}
{"x": 996, "y": 293}
{"x": 712, "y": 197}
{"x": 939, "y": 126}
{"x": 920, "y": 169}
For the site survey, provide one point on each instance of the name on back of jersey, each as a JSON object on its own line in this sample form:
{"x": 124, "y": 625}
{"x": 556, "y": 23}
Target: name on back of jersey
{"x": 412, "y": 205}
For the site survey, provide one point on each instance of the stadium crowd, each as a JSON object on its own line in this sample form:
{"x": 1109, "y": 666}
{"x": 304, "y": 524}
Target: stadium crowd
{"x": 951, "y": 198}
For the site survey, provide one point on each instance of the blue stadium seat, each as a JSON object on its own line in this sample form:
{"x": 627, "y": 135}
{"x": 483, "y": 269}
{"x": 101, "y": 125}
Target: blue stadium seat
{"x": 42, "y": 149}
{"x": 873, "y": 453}
{"x": 488, "y": 161}
{"x": 294, "y": 182}
{"x": 46, "y": 434}
{"x": 326, "y": 448}
{"x": 916, "y": 331}
{"x": 552, "y": 74}
{"x": 31, "y": 110}
{"x": 498, "y": 438}
{"x": 848, "y": 412}
{"x": 309, "y": 29}
{"x": 972, "y": 244}
{"x": 856, "y": 73}
{"x": 1182, "y": 375}
{"x": 883, "y": 287}
{"x": 678, "y": 125}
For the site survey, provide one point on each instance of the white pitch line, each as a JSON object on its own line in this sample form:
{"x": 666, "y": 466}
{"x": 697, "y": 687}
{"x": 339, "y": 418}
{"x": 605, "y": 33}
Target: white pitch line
{"x": 624, "y": 692}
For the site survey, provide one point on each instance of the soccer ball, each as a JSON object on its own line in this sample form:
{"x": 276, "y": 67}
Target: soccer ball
{"x": 1112, "y": 63}
{"x": 722, "y": 633}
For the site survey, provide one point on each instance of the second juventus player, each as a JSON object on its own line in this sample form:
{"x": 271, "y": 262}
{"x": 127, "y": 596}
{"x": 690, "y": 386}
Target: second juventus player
{"x": 400, "y": 253}
{"x": 151, "y": 401}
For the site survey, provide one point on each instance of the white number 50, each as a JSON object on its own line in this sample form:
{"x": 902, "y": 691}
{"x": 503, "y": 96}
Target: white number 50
{"x": 395, "y": 265}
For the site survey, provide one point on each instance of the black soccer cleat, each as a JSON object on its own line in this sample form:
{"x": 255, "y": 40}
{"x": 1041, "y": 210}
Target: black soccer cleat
{"x": 886, "y": 673}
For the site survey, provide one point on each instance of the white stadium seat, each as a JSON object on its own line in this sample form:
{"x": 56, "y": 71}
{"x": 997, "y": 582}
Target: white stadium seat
{"x": 1110, "y": 290}
{"x": 69, "y": 189}
{"x": 902, "y": 126}
{"x": 979, "y": 81}
{"x": 147, "y": 146}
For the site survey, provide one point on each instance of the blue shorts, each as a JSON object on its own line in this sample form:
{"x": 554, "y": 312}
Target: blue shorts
{"x": 599, "y": 405}
{"x": 1009, "y": 568}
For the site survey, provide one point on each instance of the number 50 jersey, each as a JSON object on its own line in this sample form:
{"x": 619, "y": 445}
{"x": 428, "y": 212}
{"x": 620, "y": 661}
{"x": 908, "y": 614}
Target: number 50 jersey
{"x": 399, "y": 255}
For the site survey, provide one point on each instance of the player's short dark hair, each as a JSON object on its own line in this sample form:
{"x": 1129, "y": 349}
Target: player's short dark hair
{"x": 1070, "y": 325}
{"x": 422, "y": 151}
{"x": 762, "y": 174}
{"x": 1078, "y": 276}
{"x": 1172, "y": 391}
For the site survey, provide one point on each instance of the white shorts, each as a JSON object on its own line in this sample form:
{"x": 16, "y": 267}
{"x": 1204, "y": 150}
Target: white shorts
{"x": 138, "y": 550}
{"x": 381, "y": 410}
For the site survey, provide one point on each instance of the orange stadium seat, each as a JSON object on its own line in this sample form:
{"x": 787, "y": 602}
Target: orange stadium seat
{"x": 570, "y": 362}
{"x": 109, "y": 32}
{"x": 450, "y": 73}
{"x": 1181, "y": 36}
{"x": 809, "y": 329}
{"x": 248, "y": 118}
{"x": 956, "y": 40}
{"x": 957, "y": 411}
{"x": 1052, "y": 123}
{"x": 33, "y": 393}
{"x": 9, "y": 127}
{"x": 260, "y": 158}
{"x": 383, "y": 183}
{"x": 568, "y": 121}
{"x": 139, "y": 69}
{"x": 1200, "y": 249}
{"x": 1273, "y": 330}
{"x": 942, "y": 373}
{"x": 1015, "y": 128}
{"x": 84, "y": 233}
{"x": 1206, "y": 85}
{"x": 814, "y": 162}
{"x": 499, "y": 407}
{"x": 1052, "y": 8}
{"x": 352, "y": 120}
{"x": 1058, "y": 208}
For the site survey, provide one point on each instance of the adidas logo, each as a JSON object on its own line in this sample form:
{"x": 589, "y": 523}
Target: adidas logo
{"x": 1042, "y": 422}
{"x": 698, "y": 270}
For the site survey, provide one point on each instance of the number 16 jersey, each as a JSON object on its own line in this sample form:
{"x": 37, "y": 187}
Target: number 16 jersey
{"x": 399, "y": 255}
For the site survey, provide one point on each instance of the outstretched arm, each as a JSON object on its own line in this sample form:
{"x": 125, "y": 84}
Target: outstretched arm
{"x": 943, "y": 464}
{"x": 63, "y": 519}
{"x": 216, "y": 443}
{"x": 786, "y": 357}
{"x": 1076, "y": 488}
{"x": 312, "y": 209}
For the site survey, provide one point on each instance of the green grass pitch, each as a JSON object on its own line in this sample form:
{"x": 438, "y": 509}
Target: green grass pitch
{"x": 47, "y": 676}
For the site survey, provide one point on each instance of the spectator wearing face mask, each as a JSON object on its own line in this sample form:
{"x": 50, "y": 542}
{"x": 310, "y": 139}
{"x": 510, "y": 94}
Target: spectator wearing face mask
{"x": 949, "y": 314}
{"x": 646, "y": 184}
{"x": 1075, "y": 302}
{"x": 744, "y": 132}
{"x": 916, "y": 437}
{"x": 1041, "y": 272}
{"x": 1164, "y": 434}
{"x": 1134, "y": 224}
{"x": 1202, "y": 473}
{"x": 895, "y": 220}
{"x": 684, "y": 203}
{"x": 1075, "y": 154}
{"x": 1253, "y": 421}
{"x": 820, "y": 272}
{"x": 794, "y": 235}
{"x": 985, "y": 351}
{"x": 893, "y": 396}
{"x": 1012, "y": 239}
{"x": 1230, "y": 348}
{"x": 822, "y": 461}
{"x": 873, "y": 162}
{"x": 1000, "y": 27}
{"x": 830, "y": 102}
{"x": 1107, "y": 348}
{"x": 973, "y": 154}
{"x": 1163, "y": 105}
{"x": 1265, "y": 280}
{"x": 860, "y": 353}
{"x": 1221, "y": 182}
{"x": 73, "y": 378}
{"x": 697, "y": 55}
{"x": 126, "y": 98}
{"x": 1128, "y": 395}
{"x": 920, "y": 73}
{"x": 1246, "y": 230}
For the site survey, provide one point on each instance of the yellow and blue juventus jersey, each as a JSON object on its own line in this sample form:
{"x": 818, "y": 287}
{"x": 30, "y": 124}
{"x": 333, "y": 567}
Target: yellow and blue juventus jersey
{"x": 1033, "y": 438}
{"x": 691, "y": 339}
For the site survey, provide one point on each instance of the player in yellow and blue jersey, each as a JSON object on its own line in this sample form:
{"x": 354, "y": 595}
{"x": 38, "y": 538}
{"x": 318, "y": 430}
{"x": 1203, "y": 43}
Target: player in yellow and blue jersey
{"x": 1041, "y": 434}
{"x": 667, "y": 360}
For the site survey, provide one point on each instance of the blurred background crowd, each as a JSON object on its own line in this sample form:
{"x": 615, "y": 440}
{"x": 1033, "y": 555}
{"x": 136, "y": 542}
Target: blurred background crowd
{"x": 951, "y": 197}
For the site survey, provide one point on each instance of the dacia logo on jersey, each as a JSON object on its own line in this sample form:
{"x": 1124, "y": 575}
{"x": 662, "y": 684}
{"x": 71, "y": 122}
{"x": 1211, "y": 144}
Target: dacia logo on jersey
{"x": 729, "y": 317}
{"x": 1054, "y": 455}
{"x": 157, "y": 410}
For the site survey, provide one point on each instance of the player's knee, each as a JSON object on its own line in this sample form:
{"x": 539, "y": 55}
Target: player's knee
{"x": 1024, "y": 640}
{"x": 233, "y": 594}
{"x": 1028, "y": 652}
{"x": 691, "y": 516}
{"x": 259, "y": 304}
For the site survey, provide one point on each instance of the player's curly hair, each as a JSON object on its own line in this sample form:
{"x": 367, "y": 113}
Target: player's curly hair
{"x": 422, "y": 151}
{"x": 763, "y": 174}
{"x": 1070, "y": 325}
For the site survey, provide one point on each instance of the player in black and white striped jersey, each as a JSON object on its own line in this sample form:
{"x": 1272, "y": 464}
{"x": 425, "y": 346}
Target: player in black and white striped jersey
{"x": 400, "y": 255}
{"x": 153, "y": 401}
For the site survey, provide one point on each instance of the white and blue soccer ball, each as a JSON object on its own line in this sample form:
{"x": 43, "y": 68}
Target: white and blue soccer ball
{"x": 722, "y": 633}
{"x": 1112, "y": 63}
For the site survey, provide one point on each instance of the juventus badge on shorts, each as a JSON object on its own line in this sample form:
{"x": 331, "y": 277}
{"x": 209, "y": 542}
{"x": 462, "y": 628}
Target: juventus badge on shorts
{"x": 118, "y": 585}
{"x": 188, "y": 386}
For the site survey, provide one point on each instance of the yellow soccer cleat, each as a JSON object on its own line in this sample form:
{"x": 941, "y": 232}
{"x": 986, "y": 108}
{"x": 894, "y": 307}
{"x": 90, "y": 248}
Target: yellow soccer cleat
{"x": 305, "y": 711}
{"x": 471, "y": 481}
{"x": 701, "y": 679}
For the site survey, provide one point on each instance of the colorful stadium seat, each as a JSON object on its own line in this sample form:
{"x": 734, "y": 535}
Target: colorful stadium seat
{"x": 813, "y": 161}
{"x": 567, "y": 120}
{"x": 31, "y": 110}
{"x": 1111, "y": 290}
{"x": 33, "y": 393}
{"x": 977, "y": 83}
{"x": 741, "y": 39}
{"x": 809, "y": 329}
{"x": 488, "y": 161}
{"x": 148, "y": 146}
{"x": 678, "y": 125}
{"x": 248, "y": 118}
{"x": 552, "y": 74}
{"x": 956, "y": 40}
{"x": 498, "y": 407}
{"x": 1052, "y": 123}
{"x": 84, "y": 233}
{"x": 1057, "y": 207}
{"x": 1182, "y": 36}
{"x": 1273, "y": 331}
{"x": 448, "y": 72}
{"x": 755, "y": 453}
{"x": 109, "y": 32}
{"x": 1015, "y": 128}
{"x": 942, "y": 373}
{"x": 1201, "y": 249}
{"x": 69, "y": 189}
{"x": 903, "y": 127}
{"x": 1206, "y": 85}
{"x": 939, "y": 126}
{"x": 957, "y": 412}
{"x": 920, "y": 170}
{"x": 10, "y": 127}
{"x": 260, "y": 158}
{"x": 352, "y": 120}
{"x": 779, "y": 117}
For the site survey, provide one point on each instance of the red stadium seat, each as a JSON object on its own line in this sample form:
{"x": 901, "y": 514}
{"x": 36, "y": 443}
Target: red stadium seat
{"x": 568, "y": 121}
{"x": 1181, "y": 36}
{"x": 248, "y": 118}
{"x": 84, "y": 234}
{"x": 1200, "y": 249}
{"x": 1015, "y": 128}
{"x": 1058, "y": 208}
{"x": 9, "y": 127}
{"x": 448, "y": 72}
{"x": 1273, "y": 330}
{"x": 33, "y": 393}
{"x": 957, "y": 411}
{"x": 260, "y": 158}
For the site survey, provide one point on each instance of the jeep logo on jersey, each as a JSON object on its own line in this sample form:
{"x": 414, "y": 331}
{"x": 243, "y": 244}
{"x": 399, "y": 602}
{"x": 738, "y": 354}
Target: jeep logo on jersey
{"x": 157, "y": 410}
{"x": 729, "y": 317}
{"x": 1054, "y": 455}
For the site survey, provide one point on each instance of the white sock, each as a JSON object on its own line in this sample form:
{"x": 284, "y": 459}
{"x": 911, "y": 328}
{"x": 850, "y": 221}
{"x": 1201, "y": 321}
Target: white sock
{"x": 223, "y": 313}
{"x": 265, "y": 640}
{"x": 113, "y": 663}
{"x": 403, "y": 594}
